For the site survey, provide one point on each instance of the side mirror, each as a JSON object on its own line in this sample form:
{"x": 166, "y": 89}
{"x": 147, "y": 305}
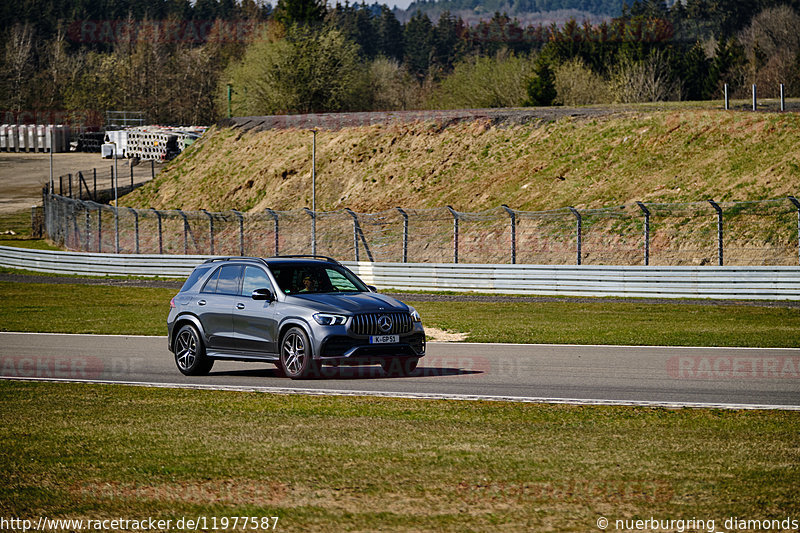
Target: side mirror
{"x": 372, "y": 288}
{"x": 263, "y": 294}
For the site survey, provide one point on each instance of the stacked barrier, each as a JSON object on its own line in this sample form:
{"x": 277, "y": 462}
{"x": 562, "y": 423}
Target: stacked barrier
{"x": 34, "y": 137}
{"x": 159, "y": 143}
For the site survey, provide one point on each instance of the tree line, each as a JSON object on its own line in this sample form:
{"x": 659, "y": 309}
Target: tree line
{"x": 178, "y": 61}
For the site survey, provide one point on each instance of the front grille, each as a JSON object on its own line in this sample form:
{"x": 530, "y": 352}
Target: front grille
{"x": 367, "y": 324}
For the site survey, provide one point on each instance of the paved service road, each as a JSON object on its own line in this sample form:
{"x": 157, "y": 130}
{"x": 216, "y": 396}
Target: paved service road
{"x": 608, "y": 374}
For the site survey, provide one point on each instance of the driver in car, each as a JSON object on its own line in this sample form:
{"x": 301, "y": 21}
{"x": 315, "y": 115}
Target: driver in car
{"x": 309, "y": 284}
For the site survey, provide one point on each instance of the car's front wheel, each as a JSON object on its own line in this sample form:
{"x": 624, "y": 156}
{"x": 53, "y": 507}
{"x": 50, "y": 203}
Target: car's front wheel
{"x": 190, "y": 353}
{"x": 297, "y": 361}
{"x": 400, "y": 366}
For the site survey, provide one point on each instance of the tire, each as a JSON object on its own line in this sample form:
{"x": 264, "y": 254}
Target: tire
{"x": 297, "y": 361}
{"x": 190, "y": 352}
{"x": 400, "y": 366}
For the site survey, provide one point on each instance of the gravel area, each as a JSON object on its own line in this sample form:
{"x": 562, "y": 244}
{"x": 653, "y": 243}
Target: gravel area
{"x": 67, "y": 280}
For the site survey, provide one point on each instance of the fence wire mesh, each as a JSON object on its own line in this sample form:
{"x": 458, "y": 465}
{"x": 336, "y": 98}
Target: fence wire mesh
{"x": 694, "y": 233}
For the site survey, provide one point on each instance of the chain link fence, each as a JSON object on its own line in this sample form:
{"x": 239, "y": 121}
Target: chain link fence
{"x": 695, "y": 233}
{"x": 97, "y": 184}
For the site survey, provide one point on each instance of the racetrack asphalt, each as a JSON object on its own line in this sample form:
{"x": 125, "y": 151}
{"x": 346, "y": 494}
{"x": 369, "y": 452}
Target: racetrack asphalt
{"x": 639, "y": 375}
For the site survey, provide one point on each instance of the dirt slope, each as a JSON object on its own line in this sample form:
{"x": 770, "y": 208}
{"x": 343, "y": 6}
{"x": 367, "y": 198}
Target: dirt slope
{"x": 676, "y": 155}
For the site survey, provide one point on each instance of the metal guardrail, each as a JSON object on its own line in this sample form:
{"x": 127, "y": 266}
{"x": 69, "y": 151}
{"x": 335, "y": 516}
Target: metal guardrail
{"x": 732, "y": 282}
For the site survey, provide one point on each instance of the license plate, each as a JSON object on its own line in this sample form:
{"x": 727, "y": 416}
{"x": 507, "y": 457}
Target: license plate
{"x": 384, "y": 339}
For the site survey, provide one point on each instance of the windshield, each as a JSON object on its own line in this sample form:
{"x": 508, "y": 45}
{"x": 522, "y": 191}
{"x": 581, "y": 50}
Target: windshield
{"x": 309, "y": 278}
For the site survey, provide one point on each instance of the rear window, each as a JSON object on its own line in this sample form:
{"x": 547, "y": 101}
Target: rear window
{"x": 193, "y": 278}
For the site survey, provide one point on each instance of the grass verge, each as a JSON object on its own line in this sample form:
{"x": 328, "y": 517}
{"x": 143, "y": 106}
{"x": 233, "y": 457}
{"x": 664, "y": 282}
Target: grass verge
{"x": 76, "y": 308}
{"x": 358, "y": 464}
{"x": 19, "y": 223}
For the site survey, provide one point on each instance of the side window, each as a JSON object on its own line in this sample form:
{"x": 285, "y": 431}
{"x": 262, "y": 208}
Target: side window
{"x": 254, "y": 278}
{"x": 229, "y": 279}
{"x": 211, "y": 284}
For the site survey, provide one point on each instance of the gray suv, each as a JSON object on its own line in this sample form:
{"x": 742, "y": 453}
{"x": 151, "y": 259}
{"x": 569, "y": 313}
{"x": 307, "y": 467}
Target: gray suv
{"x": 298, "y": 312}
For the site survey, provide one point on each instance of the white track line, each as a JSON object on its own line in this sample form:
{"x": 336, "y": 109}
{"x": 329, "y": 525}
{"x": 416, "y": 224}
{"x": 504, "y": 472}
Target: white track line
{"x": 421, "y": 396}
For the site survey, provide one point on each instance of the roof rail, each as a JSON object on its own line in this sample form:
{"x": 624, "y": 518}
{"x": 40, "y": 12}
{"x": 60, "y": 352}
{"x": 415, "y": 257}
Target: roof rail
{"x": 236, "y": 258}
{"x": 307, "y": 256}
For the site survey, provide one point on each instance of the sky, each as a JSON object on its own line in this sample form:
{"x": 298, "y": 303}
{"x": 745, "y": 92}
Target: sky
{"x": 402, "y": 4}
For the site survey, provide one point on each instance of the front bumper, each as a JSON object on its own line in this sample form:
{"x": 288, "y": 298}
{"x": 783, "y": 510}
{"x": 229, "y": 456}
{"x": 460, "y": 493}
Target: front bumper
{"x": 357, "y": 349}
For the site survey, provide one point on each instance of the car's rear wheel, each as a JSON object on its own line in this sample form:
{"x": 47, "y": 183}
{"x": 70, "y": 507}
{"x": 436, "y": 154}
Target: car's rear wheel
{"x": 400, "y": 366}
{"x": 297, "y": 362}
{"x": 190, "y": 352}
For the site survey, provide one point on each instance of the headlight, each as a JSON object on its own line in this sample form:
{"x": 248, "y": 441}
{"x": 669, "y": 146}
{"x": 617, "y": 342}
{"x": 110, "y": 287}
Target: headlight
{"x": 325, "y": 319}
{"x": 414, "y": 315}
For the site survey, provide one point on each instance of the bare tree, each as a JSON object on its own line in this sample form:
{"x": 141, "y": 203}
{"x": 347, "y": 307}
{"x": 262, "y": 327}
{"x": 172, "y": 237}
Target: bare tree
{"x": 19, "y": 59}
{"x": 649, "y": 80}
{"x": 772, "y": 45}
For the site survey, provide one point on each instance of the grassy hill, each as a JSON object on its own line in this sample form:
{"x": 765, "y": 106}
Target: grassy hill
{"x": 665, "y": 156}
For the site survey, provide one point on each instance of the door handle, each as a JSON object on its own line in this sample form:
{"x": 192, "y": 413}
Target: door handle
{"x": 239, "y": 306}
{"x": 201, "y": 302}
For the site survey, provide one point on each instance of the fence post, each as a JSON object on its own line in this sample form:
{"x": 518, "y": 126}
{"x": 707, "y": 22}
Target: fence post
{"x": 210, "y": 229}
{"x": 355, "y": 232}
{"x": 82, "y": 181}
{"x": 513, "y": 216}
{"x": 755, "y": 98}
{"x": 160, "y": 236}
{"x": 152, "y": 169}
{"x": 135, "y": 226}
{"x": 61, "y": 185}
{"x": 99, "y": 229}
{"x": 185, "y": 232}
{"x": 116, "y": 229}
{"x": 646, "y": 232}
{"x": 405, "y": 234}
{"x": 797, "y": 206}
{"x": 241, "y": 231}
{"x": 313, "y": 216}
{"x": 718, "y": 209}
{"x": 94, "y": 176}
{"x": 57, "y": 222}
{"x": 131, "y": 167}
{"x": 275, "y": 217}
{"x": 34, "y": 225}
{"x": 727, "y": 99}
{"x": 455, "y": 233}
{"x": 86, "y": 221}
{"x": 75, "y": 231}
{"x": 783, "y": 100}
{"x": 578, "y": 230}
{"x": 45, "y": 208}
{"x": 70, "y": 185}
